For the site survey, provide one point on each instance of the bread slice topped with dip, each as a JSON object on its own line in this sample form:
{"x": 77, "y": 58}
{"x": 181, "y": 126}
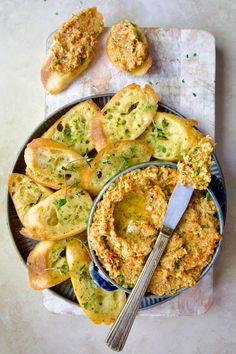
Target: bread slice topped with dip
{"x": 127, "y": 48}
{"x": 72, "y": 50}
{"x": 126, "y": 116}
{"x": 74, "y": 128}
{"x": 53, "y": 164}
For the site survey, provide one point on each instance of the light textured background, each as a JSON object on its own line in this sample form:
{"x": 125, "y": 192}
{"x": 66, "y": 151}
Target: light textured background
{"x": 25, "y": 325}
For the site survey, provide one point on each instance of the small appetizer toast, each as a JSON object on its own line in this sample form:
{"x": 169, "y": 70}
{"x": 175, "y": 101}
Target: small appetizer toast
{"x": 170, "y": 136}
{"x": 53, "y": 164}
{"x": 111, "y": 160}
{"x": 99, "y": 305}
{"x": 47, "y": 265}
{"x": 125, "y": 116}
{"x": 72, "y": 50}
{"x": 25, "y": 193}
{"x": 61, "y": 215}
{"x": 74, "y": 128}
{"x": 127, "y": 48}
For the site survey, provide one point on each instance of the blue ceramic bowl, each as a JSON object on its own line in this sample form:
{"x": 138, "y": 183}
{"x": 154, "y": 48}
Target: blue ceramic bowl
{"x": 99, "y": 274}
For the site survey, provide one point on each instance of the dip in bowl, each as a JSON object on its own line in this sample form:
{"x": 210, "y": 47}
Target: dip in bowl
{"x": 126, "y": 218}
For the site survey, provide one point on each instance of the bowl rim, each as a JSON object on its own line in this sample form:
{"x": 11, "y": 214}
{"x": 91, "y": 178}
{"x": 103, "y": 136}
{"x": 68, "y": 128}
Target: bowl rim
{"x": 99, "y": 197}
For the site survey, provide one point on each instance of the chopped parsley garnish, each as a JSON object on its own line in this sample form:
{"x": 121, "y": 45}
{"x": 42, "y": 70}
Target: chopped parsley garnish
{"x": 177, "y": 265}
{"x": 133, "y": 149}
{"x": 157, "y": 132}
{"x": 59, "y": 203}
{"x": 87, "y": 159}
{"x": 161, "y": 148}
{"x": 183, "y": 81}
{"x": 194, "y": 94}
{"x": 64, "y": 269}
{"x": 206, "y": 226}
{"x": 67, "y": 131}
{"x": 126, "y": 159}
{"x": 106, "y": 161}
{"x": 194, "y": 54}
{"x": 165, "y": 123}
{"x": 150, "y": 82}
{"x": 187, "y": 56}
{"x": 197, "y": 171}
{"x": 149, "y": 106}
{"x": 121, "y": 277}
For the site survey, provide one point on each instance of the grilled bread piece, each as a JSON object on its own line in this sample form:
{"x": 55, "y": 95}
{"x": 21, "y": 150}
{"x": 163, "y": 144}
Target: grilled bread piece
{"x": 53, "y": 164}
{"x": 72, "y": 50}
{"x": 127, "y": 48}
{"x": 25, "y": 193}
{"x": 61, "y": 215}
{"x": 111, "y": 160}
{"x": 125, "y": 116}
{"x": 47, "y": 265}
{"x": 74, "y": 128}
{"x": 170, "y": 136}
{"x": 99, "y": 305}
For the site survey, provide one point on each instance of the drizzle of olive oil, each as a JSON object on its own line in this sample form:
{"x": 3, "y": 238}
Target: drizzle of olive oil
{"x": 129, "y": 213}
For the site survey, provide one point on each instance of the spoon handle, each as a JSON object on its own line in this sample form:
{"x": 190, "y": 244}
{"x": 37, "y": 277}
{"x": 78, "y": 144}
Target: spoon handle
{"x": 119, "y": 332}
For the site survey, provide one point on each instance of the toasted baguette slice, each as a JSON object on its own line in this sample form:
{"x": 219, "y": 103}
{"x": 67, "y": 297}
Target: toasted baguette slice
{"x": 170, "y": 136}
{"x": 25, "y": 193}
{"x": 53, "y": 164}
{"x": 61, "y": 215}
{"x": 99, "y": 305}
{"x": 47, "y": 266}
{"x": 117, "y": 54}
{"x": 72, "y": 50}
{"x": 74, "y": 128}
{"x": 113, "y": 159}
{"x": 125, "y": 116}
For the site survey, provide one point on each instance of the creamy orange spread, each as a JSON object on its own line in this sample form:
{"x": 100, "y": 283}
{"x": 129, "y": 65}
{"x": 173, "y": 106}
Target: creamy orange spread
{"x": 195, "y": 169}
{"x": 128, "y": 219}
{"x": 128, "y": 46}
{"x": 76, "y": 40}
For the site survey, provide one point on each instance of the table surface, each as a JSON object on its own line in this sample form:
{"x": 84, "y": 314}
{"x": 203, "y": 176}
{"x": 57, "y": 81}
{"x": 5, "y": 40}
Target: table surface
{"x": 25, "y": 325}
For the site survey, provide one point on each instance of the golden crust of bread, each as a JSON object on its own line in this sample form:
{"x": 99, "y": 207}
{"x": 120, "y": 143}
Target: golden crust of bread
{"x": 63, "y": 214}
{"x": 111, "y": 160}
{"x": 46, "y": 265}
{"x": 125, "y": 116}
{"x": 51, "y": 163}
{"x": 99, "y": 305}
{"x": 140, "y": 70}
{"x": 56, "y": 81}
{"x": 170, "y": 136}
{"x": 25, "y": 193}
{"x": 73, "y": 129}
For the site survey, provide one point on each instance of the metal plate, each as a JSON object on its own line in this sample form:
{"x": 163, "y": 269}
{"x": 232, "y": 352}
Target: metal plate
{"x": 24, "y": 245}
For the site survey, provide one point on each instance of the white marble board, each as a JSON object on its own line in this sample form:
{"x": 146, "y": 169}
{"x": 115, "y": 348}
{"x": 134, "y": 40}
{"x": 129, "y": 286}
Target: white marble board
{"x": 183, "y": 75}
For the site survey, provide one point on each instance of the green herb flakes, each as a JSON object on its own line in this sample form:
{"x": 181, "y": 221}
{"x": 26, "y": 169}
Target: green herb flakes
{"x": 60, "y": 202}
{"x": 161, "y": 148}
